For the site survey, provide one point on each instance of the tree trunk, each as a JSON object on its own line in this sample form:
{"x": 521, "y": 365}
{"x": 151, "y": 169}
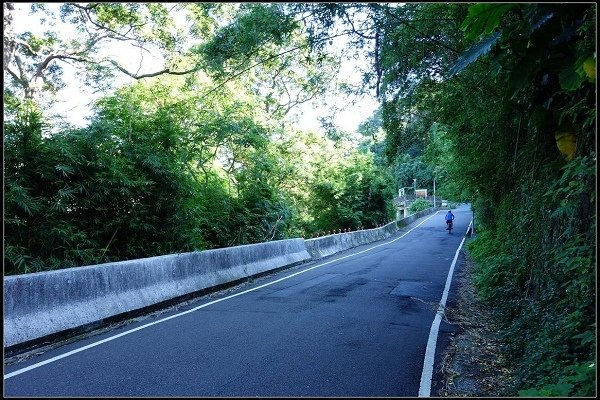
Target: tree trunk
{"x": 9, "y": 35}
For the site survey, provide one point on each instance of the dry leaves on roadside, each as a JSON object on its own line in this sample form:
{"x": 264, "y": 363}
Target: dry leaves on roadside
{"x": 473, "y": 364}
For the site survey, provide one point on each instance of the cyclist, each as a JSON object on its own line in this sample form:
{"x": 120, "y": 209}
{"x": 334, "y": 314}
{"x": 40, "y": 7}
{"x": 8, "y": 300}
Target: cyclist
{"x": 449, "y": 218}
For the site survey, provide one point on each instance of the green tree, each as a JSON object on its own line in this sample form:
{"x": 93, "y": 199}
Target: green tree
{"x": 351, "y": 192}
{"x": 34, "y": 64}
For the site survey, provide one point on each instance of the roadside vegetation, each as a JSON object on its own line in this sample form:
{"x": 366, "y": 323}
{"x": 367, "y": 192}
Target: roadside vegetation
{"x": 419, "y": 205}
{"x": 493, "y": 101}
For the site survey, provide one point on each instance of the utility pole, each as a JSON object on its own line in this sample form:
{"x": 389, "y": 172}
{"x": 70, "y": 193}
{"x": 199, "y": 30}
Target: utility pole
{"x": 434, "y": 192}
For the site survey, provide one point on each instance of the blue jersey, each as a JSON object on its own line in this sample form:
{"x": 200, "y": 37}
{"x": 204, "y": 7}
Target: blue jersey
{"x": 449, "y": 216}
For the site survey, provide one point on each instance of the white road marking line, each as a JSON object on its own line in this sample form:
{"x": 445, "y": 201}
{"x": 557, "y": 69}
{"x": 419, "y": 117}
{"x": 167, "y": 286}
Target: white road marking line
{"x": 427, "y": 374}
{"x": 89, "y": 346}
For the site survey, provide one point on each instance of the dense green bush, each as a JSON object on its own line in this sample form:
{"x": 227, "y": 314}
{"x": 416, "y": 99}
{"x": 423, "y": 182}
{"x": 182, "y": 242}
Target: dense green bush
{"x": 419, "y": 205}
{"x": 540, "y": 278}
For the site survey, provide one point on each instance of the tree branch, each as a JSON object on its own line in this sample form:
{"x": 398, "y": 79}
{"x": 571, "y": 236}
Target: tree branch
{"x": 86, "y": 11}
{"x": 27, "y": 46}
{"x": 17, "y": 78}
{"x": 266, "y": 60}
{"x": 151, "y": 74}
{"x": 20, "y": 66}
{"x": 91, "y": 44}
{"x": 354, "y": 29}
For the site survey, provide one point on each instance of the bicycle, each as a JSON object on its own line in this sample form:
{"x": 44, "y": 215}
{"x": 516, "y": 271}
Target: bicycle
{"x": 450, "y": 226}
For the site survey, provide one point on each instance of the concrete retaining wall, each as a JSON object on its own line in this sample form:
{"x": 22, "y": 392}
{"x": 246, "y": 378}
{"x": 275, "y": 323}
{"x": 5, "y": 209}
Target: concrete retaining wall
{"x": 44, "y": 303}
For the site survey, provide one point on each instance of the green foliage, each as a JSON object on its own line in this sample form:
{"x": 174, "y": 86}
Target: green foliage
{"x": 575, "y": 381}
{"x": 87, "y": 196}
{"x": 483, "y": 19}
{"x": 263, "y": 47}
{"x": 372, "y": 131}
{"x": 206, "y": 17}
{"x": 419, "y": 205}
{"x": 351, "y": 193}
{"x": 257, "y": 30}
{"x": 407, "y": 168}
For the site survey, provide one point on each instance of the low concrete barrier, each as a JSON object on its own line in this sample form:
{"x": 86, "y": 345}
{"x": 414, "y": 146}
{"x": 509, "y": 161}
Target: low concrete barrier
{"x": 416, "y": 216}
{"x": 45, "y": 303}
{"x": 332, "y": 244}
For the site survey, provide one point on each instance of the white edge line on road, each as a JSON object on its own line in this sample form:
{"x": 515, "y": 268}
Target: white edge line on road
{"x": 89, "y": 346}
{"x": 427, "y": 374}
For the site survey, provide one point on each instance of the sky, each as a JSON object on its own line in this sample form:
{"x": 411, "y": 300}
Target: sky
{"x": 75, "y": 100}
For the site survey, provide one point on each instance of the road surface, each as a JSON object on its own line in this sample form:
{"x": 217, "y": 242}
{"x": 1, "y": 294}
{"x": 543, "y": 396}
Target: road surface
{"x": 353, "y": 324}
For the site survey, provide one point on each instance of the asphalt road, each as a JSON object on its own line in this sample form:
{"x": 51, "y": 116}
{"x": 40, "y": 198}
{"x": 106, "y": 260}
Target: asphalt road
{"x": 354, "y": 324}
